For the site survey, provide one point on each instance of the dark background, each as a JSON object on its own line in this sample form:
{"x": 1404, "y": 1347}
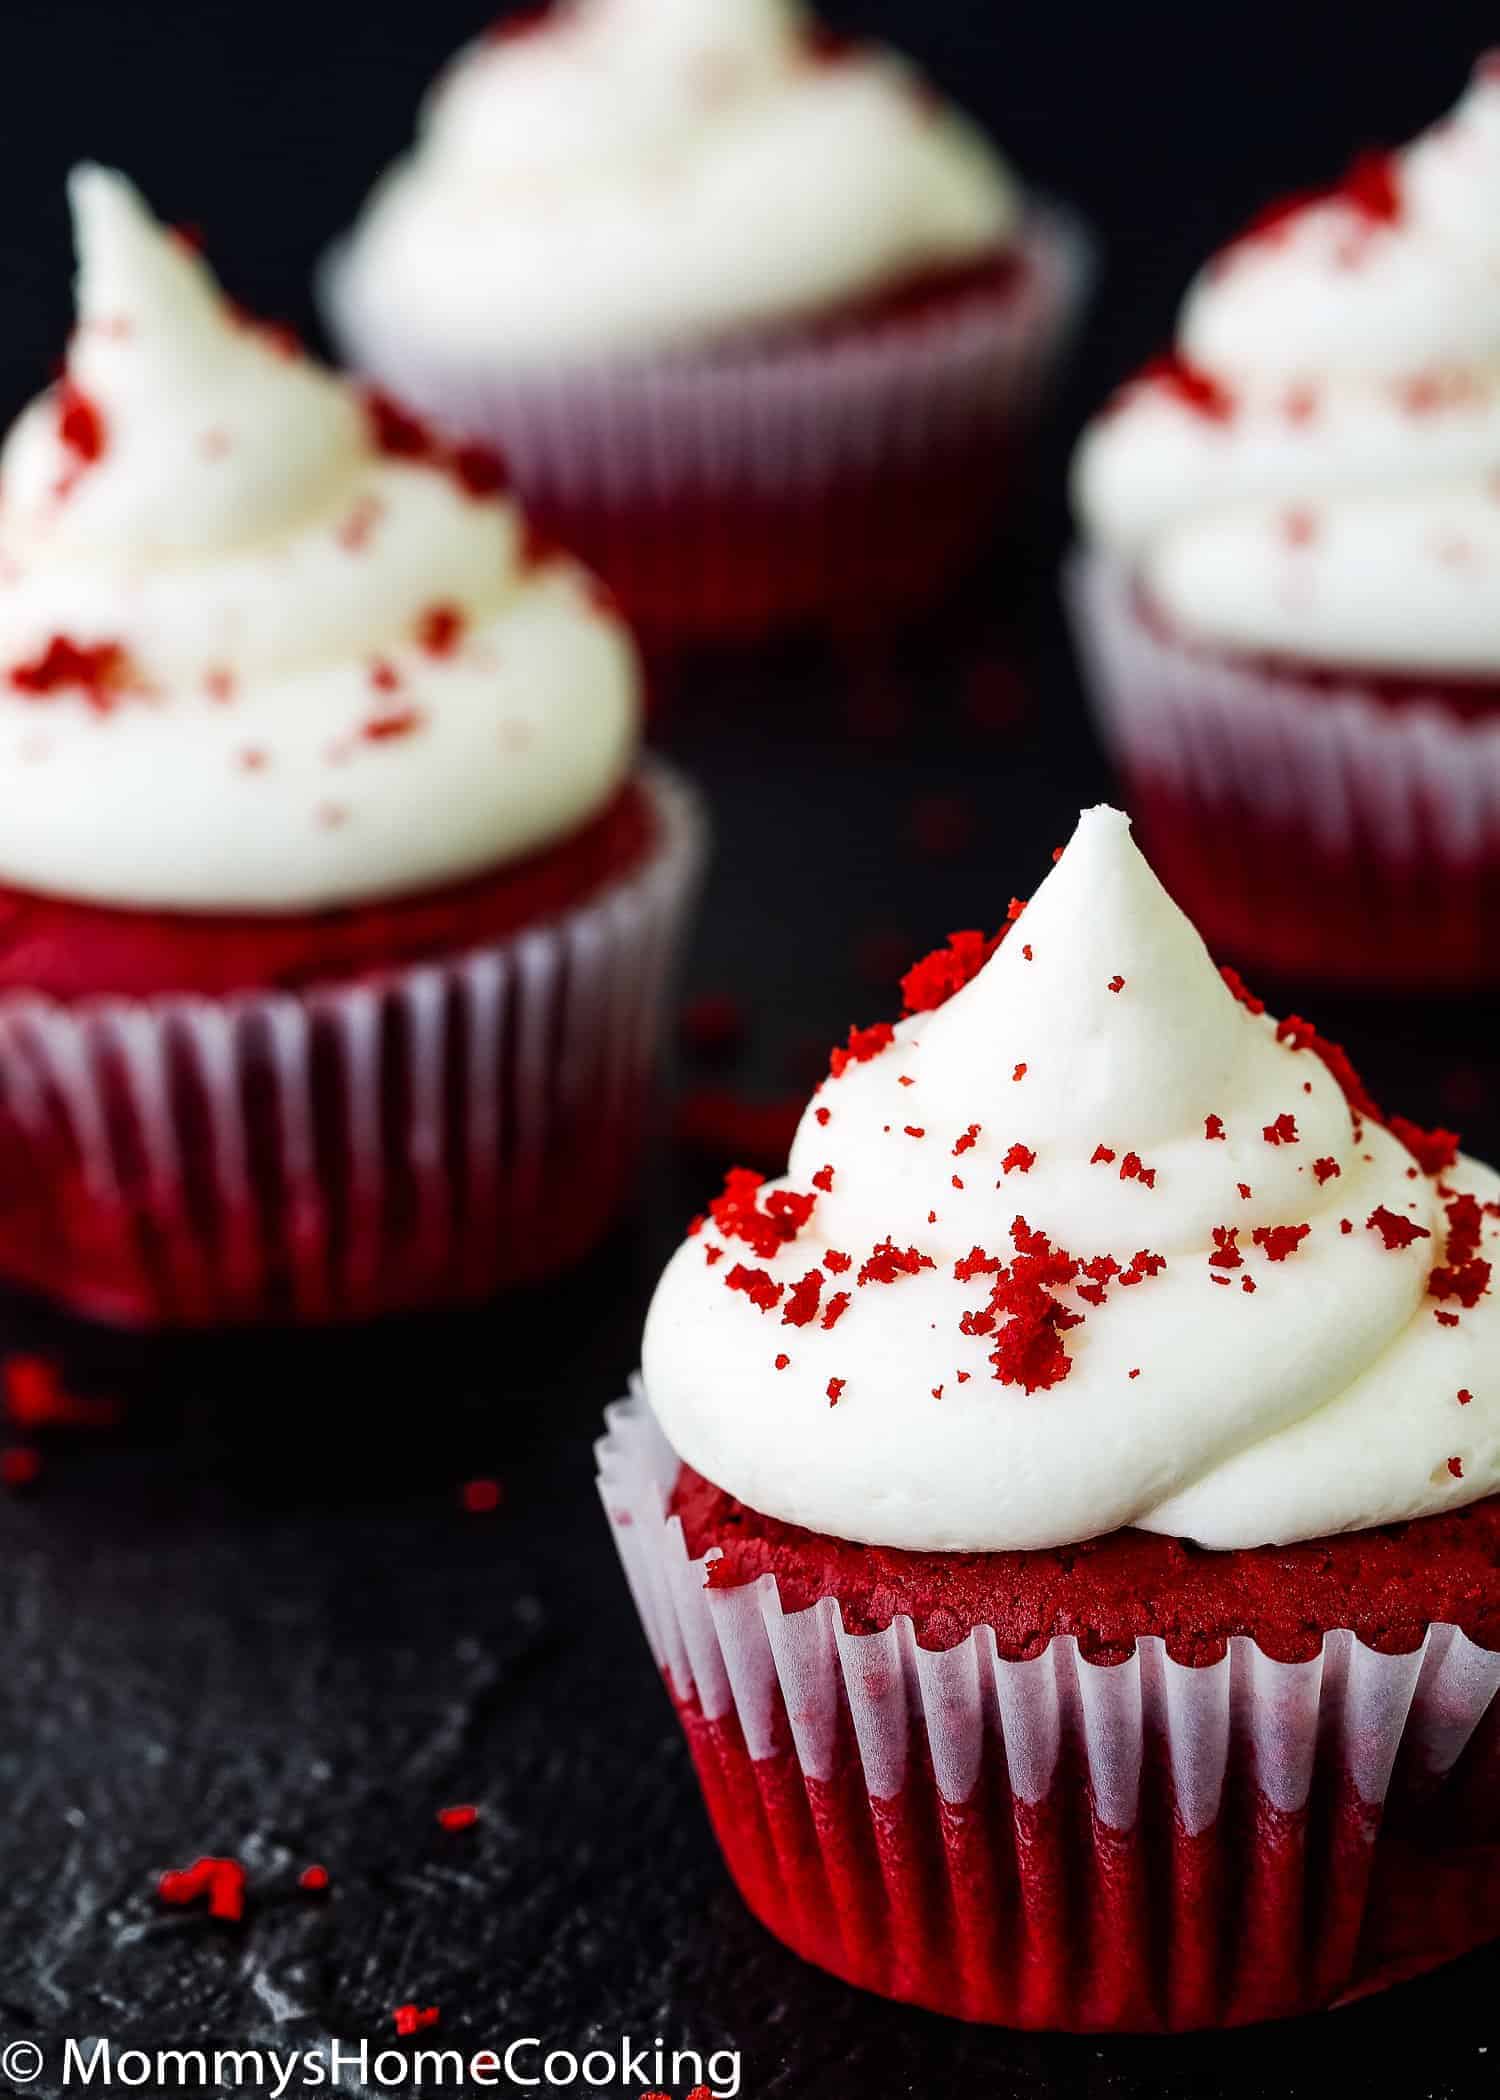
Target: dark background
{"x": 256, "y": 1620}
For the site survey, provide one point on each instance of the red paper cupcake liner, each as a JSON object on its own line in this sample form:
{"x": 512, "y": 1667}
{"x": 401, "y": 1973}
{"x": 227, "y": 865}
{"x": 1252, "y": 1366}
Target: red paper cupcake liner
{"x": 421, "y": 1136}
{"x": 1305, "y": 827}
{"x": 843, "y": 480}
{"x": 1056, "y": 1843}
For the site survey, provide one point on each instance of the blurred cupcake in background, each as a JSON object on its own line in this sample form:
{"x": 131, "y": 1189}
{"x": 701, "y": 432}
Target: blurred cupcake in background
{"x": 334, "y": 905}
{"x": 754, "y": 315}
{"x": 1289, "y": 594}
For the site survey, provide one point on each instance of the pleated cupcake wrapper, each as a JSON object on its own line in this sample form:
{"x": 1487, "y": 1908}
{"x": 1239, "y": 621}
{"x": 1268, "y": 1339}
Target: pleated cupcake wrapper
{"x": 1092, "y": 1757}
{"x": 421, "y": 1136}
{"x": 790, "y": 426}
{"x": 1339, "y": 763}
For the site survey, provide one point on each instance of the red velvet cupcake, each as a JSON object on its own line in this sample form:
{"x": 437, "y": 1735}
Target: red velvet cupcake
{"x": 1286, "y": 602}
{"x": 333, "y": 918}
{"x": 756, "y": 318}
{"x": 1065, "y": 1507}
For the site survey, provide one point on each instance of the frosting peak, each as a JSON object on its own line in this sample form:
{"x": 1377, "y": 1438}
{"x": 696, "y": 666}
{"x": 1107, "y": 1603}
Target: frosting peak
{"x": 1309, "y": 473}
{"x": 627, "y": 176}
{"x": 262, "y": 646}
{"x": 1090, "y": 1241}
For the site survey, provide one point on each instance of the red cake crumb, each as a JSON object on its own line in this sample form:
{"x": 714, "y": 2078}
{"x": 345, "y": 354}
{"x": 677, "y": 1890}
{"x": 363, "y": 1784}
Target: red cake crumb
{"x": 1189, "y": 385}
{"x": 1433, "y": 1150}
{"x": 887, "y": 1263}
{"x": 394, "y": 430}
{"x": 1387, "y": 1584}
{"x": 1213, "y": 1127}
{"x": 1326, "y": 1169}
{"x": 931, "y": 982}
{"x": 1019, "y": 1073}
{"x": 1456, "y": 1468}
{"x": 1395, "y": 1231}
{"x": 1131, "y": 1169}
{"x": 836, "y": 1263}
{"x": 1241, "y": 990}
{"x": 1464, "y": 1396}
{"x": 913, "y": 1130}
{"x": 440, "y": 629}
{"x": 835, "y": 1388}
{"x": 1278, "y": 1241}
{"x": 863, "y": 1044}
{"x": 823, "y": 1180}
{"x": 781, "y": 1362}
{"x": 1102, "y": 1156}
{"x": 411, "y": 2019}
{"x": 1226, "y": 1254}
{"x": 905, "y": 1079}
{"x": 758, "y": 1285}
{"x": 835, "y": 1309}
{"x": 20, "y": 1466}
{"x": 36, "y": 1396}
{"x": 970, "y": 1137}
{"x": 738, "y": 1214}
{"x": 384, "y": 676}
{"x": 1462, "y": 1275}
{"x": 221, "y": 1881}
{"x": 1282, "y": 1132}
{"x": 1026, "y": 951}
{"x": 1020, "y": 1157}
{"x": 82, "y": 429}
{"x": 822, "y": 1115}
{"x": 314, "y": 1879}
{"x": 463, "y": 1816}
{"x": 801, "y": 1307}
{"x": 395, "y": 723}
{"x": 99, "y": 670}
{"x": 1116, "y": 983}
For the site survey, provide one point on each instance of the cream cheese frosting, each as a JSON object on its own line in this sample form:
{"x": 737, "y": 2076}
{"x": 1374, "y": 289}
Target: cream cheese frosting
{"x": 1095, "y": 1243}
{"x": 262, "y": 647}
{"x": 626, "y": 176}
{"x": 1315, "y": 470}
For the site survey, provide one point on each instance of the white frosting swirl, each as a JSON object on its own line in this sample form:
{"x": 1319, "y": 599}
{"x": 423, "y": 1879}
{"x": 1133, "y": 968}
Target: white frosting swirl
{"x": 1325, "y": 486}
{"x": 1301, "y": 1392}
{"x": 296, "y": 670}
{"x": 635, "y": 175}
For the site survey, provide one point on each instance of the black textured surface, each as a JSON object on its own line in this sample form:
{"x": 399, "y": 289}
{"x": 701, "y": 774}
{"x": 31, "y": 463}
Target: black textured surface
{"x": 255, "y": 1620}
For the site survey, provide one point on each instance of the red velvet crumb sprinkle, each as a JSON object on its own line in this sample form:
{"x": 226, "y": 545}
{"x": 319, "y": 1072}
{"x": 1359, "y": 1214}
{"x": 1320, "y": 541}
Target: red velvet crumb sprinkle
{"x": 1131, "y": 1169}
{"x": 1282, "y": 1132}
{"x": 835, "y": 1388}
{"x": 1395, "y": 1231}
{"x": 463, "y": 1816}
{"x": 221, "y": 1881}
{"x": 1464, "y": 1396}
{"x": 887, "y": 1262}
{"x": 1019, "y": 1072}
{"x": 1020, "y": 1157}
{"x": 314, "y": 1879}
{"x": 1190, "y": 386}
{"x": 1116, "y": 983}
{"x": 835, "y": 1309}
{"x": 738, "y": 1214}
{"x": 970, "y": 1137}
{"x": 801, "y": 1307}
{"x": 1213, "y": 1126}
{"x": 863, "y": 1044}
{"x": 823, "y": 1180}
{"x": 1456, "y": 1468}
{"x": 1102, "y": 1156}
{"x": 1326, "y": 1169}
{"x": 98, "y": 670}
{"x": 411, "y": 2019}
{"x": 934, "y": 980}
{"x": 440, "y": 629}
{"x": 1278, "y": 1241}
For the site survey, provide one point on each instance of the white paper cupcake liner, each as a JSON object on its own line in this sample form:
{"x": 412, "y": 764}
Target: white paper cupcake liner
{"x": 417, "y": 1137}
{"x": 1336, "y": 761}
{"x": 1144, "y": 1781}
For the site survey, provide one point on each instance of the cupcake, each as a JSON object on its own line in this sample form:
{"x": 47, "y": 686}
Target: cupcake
{"x": 1064, "y": 1507}
{"x": 334, "y": 904}
{"x": 1286, "y": 599}
{"x": 754, "y": 315}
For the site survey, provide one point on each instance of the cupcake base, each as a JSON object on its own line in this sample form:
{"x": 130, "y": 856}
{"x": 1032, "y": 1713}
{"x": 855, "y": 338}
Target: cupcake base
{"x": 838, "y": 476}
{"x": 1309, "y": 826}
{"x": 420, "y": 1135}
{"x": 1058, "y": 1843}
